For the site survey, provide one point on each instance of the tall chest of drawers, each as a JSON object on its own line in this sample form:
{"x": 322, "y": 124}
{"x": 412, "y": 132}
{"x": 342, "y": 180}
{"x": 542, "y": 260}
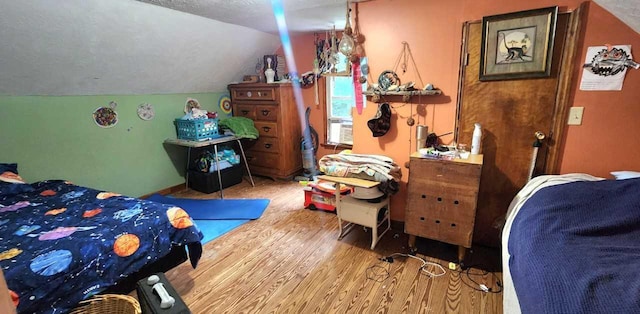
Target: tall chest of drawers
{"x": 441, "y": 200}
{"x": 272, "y": 107}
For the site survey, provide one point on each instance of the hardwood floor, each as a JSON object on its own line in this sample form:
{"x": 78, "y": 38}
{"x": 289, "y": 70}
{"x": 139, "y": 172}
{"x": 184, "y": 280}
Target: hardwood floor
{"x": 290, "y": 261}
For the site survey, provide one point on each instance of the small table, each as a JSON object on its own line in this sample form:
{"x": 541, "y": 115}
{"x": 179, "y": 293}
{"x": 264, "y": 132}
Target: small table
{"x": 357, "y": 211}
{"x": 215, "y": 142}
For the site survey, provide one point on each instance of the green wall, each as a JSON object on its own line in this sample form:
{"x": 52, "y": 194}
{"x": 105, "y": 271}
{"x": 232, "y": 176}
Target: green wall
{"x": 55, "y": 137}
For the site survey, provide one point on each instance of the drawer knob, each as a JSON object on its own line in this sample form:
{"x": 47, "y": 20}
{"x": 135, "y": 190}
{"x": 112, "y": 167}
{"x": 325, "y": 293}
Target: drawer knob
{"x": 265, "y": 112}
{"x": 267, "y": 145}
{"x": 422, "y": 218}
{"x": 437, "y": 221}
{"x": 259, "y": 94}
{"x": 245, "y": 112}
{"x": 266, "y": 129}
{"x": 424, "y": 196}
{"x": 248, "y": 94}
{"x": 456, "y": 202}
{"x": 439, "y": 199}
{"x": 453, "y": 225}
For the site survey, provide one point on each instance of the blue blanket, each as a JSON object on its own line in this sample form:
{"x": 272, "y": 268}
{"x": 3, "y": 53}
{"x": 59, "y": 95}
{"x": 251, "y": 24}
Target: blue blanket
{"x": 575, "y": 248}
{"x": 62, "y": 243}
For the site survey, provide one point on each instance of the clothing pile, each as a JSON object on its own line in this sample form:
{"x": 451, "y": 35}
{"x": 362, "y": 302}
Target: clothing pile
{"x": 362, "y": 166}
{"x": 206, "y": 161}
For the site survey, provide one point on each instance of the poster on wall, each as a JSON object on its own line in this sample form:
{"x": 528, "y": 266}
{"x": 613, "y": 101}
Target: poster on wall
{"x": 605, "y": 67}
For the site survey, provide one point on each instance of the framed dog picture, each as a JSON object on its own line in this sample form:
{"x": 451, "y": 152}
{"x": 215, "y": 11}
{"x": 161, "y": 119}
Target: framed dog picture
{"x": 518, "y": 45}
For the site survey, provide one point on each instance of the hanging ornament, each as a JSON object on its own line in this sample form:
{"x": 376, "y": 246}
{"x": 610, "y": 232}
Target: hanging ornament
{"x": 106, "y": 117}
{"x": 347, "y": 44}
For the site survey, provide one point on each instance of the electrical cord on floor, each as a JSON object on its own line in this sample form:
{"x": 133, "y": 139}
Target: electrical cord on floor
{"x": 476, "y": 285}
{"x": 423, "y": 267}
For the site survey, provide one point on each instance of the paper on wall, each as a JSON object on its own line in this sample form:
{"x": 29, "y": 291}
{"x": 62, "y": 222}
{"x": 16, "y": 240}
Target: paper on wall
{"x": 601, "y": 72}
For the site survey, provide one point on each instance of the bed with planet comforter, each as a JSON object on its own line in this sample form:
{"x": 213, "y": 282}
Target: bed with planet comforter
{"x": 61, "y": 243}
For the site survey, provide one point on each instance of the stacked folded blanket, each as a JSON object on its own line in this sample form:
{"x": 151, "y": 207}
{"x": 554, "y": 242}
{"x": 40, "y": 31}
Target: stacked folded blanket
{"x": 370, "y": 167}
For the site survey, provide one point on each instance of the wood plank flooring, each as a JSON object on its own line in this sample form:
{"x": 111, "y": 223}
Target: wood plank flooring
{"x": 290, "y": 261}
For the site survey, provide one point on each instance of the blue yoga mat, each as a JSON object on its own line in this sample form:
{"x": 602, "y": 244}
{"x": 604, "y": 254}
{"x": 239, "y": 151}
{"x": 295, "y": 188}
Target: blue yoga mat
{"x": 216, "y": 208}
{"x": 212, "y": 229}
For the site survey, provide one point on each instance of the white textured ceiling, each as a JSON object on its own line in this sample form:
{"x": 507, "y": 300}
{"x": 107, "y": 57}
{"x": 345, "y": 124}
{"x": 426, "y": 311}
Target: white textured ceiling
{"x": 301, "y": 15}
{"x": 97, "y": 47}
{"x": 313, "y": 15}
{"x": 627, "y": 11}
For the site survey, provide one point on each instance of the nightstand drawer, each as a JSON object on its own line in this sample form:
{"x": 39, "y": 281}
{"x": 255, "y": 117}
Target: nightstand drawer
{"x": 268, "y": 129}
{"x": 265, "y": 93}
{"x": 458, "y": 232}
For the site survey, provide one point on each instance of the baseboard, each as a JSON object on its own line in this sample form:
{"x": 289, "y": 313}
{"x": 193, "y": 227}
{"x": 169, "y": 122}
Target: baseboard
{"x": 169, "y": 190}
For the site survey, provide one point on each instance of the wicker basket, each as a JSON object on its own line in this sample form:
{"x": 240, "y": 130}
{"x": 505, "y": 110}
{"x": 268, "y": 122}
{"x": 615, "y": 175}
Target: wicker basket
{"x": 108, "y": 303}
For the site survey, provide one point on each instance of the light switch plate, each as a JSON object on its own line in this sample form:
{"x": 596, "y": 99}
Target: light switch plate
{"x": 575, "y": 116}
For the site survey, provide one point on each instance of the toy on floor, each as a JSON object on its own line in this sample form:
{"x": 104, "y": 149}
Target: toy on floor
{"x": 321, "y": 195}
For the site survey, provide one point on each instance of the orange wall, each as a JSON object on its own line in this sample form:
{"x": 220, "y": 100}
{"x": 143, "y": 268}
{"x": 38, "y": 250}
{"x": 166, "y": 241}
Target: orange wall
{"x": 433, "y": 31}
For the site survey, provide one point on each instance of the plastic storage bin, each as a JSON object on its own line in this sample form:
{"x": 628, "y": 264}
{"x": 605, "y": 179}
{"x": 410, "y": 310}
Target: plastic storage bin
{"x": 207, "y": 182}
{"x": 197, "y": 130}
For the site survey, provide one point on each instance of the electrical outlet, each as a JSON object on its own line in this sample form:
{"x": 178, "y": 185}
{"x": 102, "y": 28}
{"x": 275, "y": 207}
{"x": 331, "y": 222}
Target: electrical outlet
{"x": 575, "y": 116}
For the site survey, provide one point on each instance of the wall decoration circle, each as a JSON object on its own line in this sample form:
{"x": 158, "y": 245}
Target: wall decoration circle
{"x": 106, "y": 117}
{"x": 146, "y": 111}
{"x": 225, "y": 104}
{"x": 190, "y": 104}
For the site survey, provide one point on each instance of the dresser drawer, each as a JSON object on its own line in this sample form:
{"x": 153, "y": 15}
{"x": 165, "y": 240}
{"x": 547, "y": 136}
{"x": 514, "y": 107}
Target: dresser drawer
{"x": 458, "y": 203}
{"x": 255, "y": 93}
{"x": 247, "y": 111}
{"x": 268, "y": 129}
{"x": 265, "y": 160}
{"x": 267, "y": 113}
{"x": 266, "y": 144}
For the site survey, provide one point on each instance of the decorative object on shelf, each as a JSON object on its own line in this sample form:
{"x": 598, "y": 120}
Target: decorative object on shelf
{"x": 225, "y": 104}
{"x": 270, "y": 63}
{"x": 387, "y": 79}
{"x": 250, "y": 79}
{"x": 517, "y": 45}
{"x": 106, "y": 117}
{"x": 146, "y": 111}
{"x": 259, "y": 70}
{"x": 191, "y": 104}
{"x": 269, "y": 73}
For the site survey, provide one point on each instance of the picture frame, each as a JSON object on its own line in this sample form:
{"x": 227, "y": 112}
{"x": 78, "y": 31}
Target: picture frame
{"x": 518, "y": 45}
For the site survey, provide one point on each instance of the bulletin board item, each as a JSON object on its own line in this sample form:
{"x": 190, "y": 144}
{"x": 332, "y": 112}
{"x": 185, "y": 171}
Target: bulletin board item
{"x": 106, "y": 117}
{"x": 518, "y": 45}
{"x": 225, "y": 104}
{"x": 146, "y": 111}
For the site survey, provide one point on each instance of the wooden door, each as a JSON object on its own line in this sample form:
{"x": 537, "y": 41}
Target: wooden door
{"x": 510, "y": 112}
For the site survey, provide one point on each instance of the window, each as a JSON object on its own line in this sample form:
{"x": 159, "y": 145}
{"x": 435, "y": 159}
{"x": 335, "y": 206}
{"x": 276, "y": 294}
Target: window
{"x": 340, "y": 102}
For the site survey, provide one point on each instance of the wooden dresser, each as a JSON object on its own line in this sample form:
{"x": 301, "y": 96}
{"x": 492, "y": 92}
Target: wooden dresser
{"x": 441, "y": 200}
{"x": 272, "y": 107}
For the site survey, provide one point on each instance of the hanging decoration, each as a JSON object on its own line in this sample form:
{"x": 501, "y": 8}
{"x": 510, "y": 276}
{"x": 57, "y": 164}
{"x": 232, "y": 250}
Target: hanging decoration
{"x": 146, "y": 111}
{"x": 106, "y": 117}
{"x": 225, "y": 104}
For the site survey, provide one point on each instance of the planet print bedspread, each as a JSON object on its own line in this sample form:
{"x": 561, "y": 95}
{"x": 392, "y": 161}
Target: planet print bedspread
{"x": 63, "y": 243}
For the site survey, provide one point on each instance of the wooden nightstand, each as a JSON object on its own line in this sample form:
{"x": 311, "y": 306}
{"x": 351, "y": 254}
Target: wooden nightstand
{"x": 441, "y": 200}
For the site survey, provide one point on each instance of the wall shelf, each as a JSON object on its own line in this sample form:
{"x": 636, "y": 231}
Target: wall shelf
{"x": 406, "y": 96}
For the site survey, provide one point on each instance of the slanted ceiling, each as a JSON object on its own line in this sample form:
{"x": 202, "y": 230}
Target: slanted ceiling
{"x": 97, "y": 47}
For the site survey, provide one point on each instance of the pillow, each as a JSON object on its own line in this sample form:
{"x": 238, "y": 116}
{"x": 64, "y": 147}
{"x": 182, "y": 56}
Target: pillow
{"x": 10, "y": 182}
{"x": 9, "y": 167}
{"x": 621, "y": 175}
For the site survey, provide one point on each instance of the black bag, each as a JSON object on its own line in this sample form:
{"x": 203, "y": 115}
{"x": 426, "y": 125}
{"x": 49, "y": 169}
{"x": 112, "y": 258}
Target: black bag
{"x": 150, "y": 301}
